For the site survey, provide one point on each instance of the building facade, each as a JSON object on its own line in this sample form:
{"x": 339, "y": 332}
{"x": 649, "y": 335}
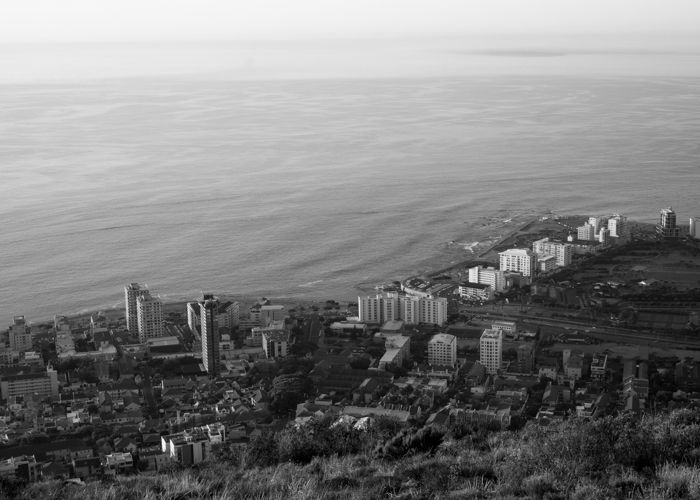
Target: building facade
{"x": 442, "y": 350}
{"x": 210, "y": 336}
{"x": 149, "y": 316}
{"x": 586, "y": 232}
{"x": 275, "y": 343}
{"x": 491, "y": 350}
{"x": 488, "y": 276}
{"x": 20, "y": 335}
{"x": 666, "y": 228}
{"x": 131, "y": 293}
{"x": 561, "y": 251}
{"x": 44, "y": 383}
{"x": 520, "y": 260}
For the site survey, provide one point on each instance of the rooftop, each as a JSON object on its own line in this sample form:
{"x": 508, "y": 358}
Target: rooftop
{"x": 443, "y": 338}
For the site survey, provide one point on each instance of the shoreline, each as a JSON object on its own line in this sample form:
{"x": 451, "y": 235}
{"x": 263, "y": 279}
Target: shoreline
{"x": 532, "y": 226}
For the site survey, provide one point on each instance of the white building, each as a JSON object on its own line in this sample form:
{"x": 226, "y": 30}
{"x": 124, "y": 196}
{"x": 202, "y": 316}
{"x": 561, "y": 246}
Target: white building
{"x": 616, "y": 226}
{"x": 275, "y": 343}
{"x": 378, "y": 309}
{"x": 604, "y": 236}
{"x": 666, "y": 228}
{"x": 596, "y": 223}
{"x": 149, "y": 316}
{"x": 433, "y": 311}
{"x": 442, "y": 350}
{"x": 692, "y": 228}
{"x": 561, "y": 251}
{"x": 519, "y": 260}
{"x": 491, "y": 350}
{"x": 488, "y": 276}
{"x": 586, "y": 232}
{"x": 410, "y": 309}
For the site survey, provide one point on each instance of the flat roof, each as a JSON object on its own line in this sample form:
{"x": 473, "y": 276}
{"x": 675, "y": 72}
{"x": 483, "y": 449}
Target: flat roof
{"x": 445, "y": 338}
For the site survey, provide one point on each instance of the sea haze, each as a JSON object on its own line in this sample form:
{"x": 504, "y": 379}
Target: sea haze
{"x": 252, "y": 171}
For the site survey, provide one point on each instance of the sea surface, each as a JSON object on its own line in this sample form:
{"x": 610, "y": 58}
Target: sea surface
{"x": 313, "y": 173}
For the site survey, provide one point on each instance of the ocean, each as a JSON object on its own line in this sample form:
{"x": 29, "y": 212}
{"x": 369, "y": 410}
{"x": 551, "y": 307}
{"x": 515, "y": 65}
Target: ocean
{"x": 317, "y": 172}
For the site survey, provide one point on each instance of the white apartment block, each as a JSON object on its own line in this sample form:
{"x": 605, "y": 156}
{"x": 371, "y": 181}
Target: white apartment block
{"x": 604, "y": 236}
{"x": 519, "y": 260}
{"x": 596, "y": 222}
{"x": 408, "y": 308}
{"x": 433, "y": 311}
{"x": 562, "y": 251}
{"x": 378, "y": 309}
{"x": 442, "y": 350}
{"x": 616, "y": 226}
{"x": 149, "y": 316}
{"x": 488, "y": 276}
{"x": 585, "y": 232}
{"x": 491, "y": 350}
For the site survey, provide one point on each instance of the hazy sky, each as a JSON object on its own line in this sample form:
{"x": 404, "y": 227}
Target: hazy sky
{"x": 136, "y": 20}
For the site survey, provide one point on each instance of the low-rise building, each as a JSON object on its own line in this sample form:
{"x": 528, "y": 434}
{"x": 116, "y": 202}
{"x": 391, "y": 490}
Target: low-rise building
{"x": 118, "y": 463}
{"x": 475, "y": 291}
{"x": 43, "y": 383}
{"x": 22, "y": 467}
{"x": 186, "y": 448}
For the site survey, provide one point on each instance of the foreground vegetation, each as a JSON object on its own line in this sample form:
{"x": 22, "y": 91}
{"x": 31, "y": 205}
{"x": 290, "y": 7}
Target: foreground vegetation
{"x": 615, "y": 457}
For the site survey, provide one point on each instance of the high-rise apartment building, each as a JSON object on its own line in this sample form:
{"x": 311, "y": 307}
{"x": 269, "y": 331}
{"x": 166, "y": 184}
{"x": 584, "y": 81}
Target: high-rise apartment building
{"x": 149, "y": 316}
{"x": 378, "y": 309}
{"x": 409, "y": 308}
{"x": 693, "y": 231}
{"x": 131, "y": 293}
{"x": 442, "y": 350}
{"x": 616, "y": 226}
{"x": 666, "y": 228}
{"x": 561, "y": 251}
{"x": 20, "y": 335}
{"x": 491, "y": 350}
{"x": 210, "y": 335}
{"x": 520, "y": 260}
{"x": 596, "y": 222}
{"x": 604, "y": 235}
